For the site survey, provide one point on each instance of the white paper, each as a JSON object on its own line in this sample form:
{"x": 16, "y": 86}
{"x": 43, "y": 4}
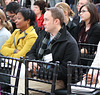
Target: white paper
{"x": 48, "y": 57}
{"x": 83, "y": 89}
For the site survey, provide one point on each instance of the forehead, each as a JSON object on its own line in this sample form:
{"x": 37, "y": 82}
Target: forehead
{"x": 9, "y": 13}
{"x": 47, "y": 14}
{"x": 36, "y": 6}
{"x": 84, "y": 8}
{"x": 8, "y": 0}
{"x": 83, "y": 1}
{"x": 19, "y": 14}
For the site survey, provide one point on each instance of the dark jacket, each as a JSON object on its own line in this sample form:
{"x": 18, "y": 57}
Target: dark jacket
{"x": 63, "y": 50}
{"x": 76, "y": 19}
{"x": 93, "y": 33}
{"x": 71, "y": 26}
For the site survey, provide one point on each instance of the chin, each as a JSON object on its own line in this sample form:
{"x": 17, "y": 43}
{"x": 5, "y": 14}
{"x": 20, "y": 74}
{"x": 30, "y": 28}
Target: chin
{"x": 17, "y": 27}
{"x": 46, "y": 29}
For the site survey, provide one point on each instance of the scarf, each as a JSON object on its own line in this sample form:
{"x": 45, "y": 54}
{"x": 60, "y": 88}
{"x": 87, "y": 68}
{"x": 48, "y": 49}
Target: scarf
{"x": 44, "y": 44}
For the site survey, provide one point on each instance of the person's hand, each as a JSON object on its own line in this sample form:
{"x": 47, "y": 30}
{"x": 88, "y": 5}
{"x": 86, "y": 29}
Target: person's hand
{"x": 30, "y": 66}
{"x": 17, "y": 50}
{"x": 84, "y": 50}
{"x": 95, "y": 52}
{"x": 89, "y": 78}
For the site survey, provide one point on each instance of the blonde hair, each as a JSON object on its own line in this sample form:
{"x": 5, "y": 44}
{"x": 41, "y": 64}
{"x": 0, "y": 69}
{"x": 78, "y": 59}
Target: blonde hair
{"x": 65, "y": 7}
{"x": 4, "y": 21}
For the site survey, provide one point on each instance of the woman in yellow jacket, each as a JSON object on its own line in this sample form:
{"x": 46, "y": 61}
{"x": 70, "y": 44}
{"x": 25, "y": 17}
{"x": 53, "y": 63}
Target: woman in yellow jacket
{"x": 20, "y": 42}
{"x": 22, "y": 38}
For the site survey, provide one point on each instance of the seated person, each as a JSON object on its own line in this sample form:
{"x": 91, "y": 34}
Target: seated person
{"x": 80, "y": 3}
{"x": 5, "y": 27}
{"x": 21, "y": 41}
{"x": 88, "y": 31}
{"x": 70, "y": 25}
{"x": 11, "y": 11}
{"x": 39, "y": 9}
{"x": 55, "y": 44}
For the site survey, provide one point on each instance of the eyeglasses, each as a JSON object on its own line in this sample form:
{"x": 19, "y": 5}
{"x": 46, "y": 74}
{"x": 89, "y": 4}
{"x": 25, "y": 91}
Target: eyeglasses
{"x": 10, "y": 16}
{"x": 83, "y": 11}
{"x": 80, "y": 3}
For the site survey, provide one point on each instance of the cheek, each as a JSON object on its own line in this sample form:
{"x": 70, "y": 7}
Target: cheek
{"x": 88, "y": 16}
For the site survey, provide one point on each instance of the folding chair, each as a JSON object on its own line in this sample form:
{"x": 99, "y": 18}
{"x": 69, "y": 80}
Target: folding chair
{"x": 89, "y": 49}
{"x": 45, "y": 72}
{"x": 9, "y": 68}
{"x": 81, "y": 87}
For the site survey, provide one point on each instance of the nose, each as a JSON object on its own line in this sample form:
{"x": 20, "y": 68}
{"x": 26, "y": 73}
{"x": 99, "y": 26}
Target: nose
{"x": 16, "y": 21}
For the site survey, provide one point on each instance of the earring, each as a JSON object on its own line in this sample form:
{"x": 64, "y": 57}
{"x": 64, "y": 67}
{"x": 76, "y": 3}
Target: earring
{"x": 28, "y": 25}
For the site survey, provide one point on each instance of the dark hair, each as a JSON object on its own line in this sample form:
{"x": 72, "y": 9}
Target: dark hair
{"x": 42, "y": 5}
{"x": 57, "y": 13}
{"x": 13, "y": 7}
{"x": 27, "y": 13}
{"x": 94, "y": 16}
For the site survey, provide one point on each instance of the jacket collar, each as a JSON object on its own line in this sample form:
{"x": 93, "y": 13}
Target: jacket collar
{"x": 64, "y": 34}
{"x": 23, "y": 34}
{"x": 63, "y": 31}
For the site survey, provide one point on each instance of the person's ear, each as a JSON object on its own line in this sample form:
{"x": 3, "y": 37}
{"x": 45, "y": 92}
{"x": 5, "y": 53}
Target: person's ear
{"x": 28, "y": 21}
{"x": 57, "y": 21}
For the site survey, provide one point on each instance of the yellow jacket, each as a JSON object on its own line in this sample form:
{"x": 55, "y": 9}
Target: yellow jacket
{"x": 21, "y": 41}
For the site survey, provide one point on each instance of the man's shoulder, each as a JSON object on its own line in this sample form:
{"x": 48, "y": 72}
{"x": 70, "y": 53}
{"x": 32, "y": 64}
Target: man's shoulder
{"x": 70, "y": 38}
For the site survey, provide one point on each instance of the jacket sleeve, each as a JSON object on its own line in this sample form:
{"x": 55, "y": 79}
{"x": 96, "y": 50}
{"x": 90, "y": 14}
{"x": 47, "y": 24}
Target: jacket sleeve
{"x": 71, "y": 54}
{"x": 94, "y": 34}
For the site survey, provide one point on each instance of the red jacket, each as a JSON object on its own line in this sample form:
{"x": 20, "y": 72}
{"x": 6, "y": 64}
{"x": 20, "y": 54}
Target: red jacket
{"x": 40, "y": 21}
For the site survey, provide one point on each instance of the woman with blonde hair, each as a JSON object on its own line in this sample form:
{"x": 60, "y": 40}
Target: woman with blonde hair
{"x": 5, "y": 27}
{"x": 68, "y": 15}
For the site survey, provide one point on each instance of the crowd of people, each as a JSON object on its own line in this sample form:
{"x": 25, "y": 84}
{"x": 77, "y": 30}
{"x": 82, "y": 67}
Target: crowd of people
{"x": 49, "y": 34}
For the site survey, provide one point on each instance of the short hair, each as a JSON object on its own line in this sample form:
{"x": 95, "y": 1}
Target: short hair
{"x": 94, "y": 15}
{"x": 27, "y": 13}
{"x": 89, "y": 1}
{"x": 65, "y": 7}
{"x": 57, "y": 13}
{"x": 13, "y": 7}
{"x": 42, "y": 5}
{"x": 4, "y": 21}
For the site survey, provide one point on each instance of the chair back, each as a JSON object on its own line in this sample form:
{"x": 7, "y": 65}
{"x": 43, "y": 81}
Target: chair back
{"x": 89, "y": 50}
{"x": 82, "y": 86}
{"x": 41, "y": 72}
{"x": 9, "y": 68}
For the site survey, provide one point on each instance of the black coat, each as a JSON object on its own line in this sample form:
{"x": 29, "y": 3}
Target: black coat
{"x": 93, "y": 33}
{"x": 71, "y": 26}
{"x": 76, "y": 19}
{"x": 63, "y": 50}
